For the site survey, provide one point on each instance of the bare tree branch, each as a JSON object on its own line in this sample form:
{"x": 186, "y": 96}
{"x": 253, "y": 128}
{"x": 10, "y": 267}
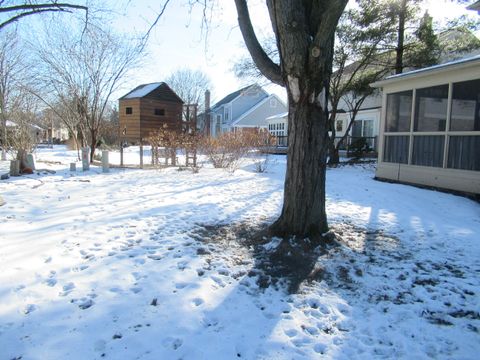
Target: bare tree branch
{"x": 264, "y": 63}
{"x": 27, "y": 9}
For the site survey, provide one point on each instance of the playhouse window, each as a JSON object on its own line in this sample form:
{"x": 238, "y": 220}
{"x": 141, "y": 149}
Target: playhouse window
{"x": 160, "y": 112}
{"x": 128, "y": 111}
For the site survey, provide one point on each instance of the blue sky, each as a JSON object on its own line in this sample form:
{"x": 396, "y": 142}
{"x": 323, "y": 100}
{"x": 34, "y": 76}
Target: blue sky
{"x": 177, "y": 40}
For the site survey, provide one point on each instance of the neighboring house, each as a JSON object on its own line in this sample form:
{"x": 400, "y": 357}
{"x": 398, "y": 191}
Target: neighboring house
{"x": 37, "y": 133}
{"x": 278, "y": 127}
{"x": 430, "y": 128}
{"x": 246, "y": 108}
{"x": 475, "y": 6}
{"x": 367, "y": 120}
{"x": 148, "y": 108}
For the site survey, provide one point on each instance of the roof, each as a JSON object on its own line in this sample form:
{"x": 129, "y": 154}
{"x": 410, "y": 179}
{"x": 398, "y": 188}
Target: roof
{"x": 457, "y": 64}
{"x": 164, "y": 92}
{"x": 278, "y": 116}
{"x": 474, "y": 6}
{"x": 10, "y": 123}
{"x": 232, "y": 96}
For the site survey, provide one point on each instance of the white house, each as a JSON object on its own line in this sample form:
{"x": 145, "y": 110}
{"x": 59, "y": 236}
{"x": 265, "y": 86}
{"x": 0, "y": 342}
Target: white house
{"x": 245, "y": 108}
{"x": 367, "y": 121}
{"x": 278, "y": 127}
{"x": 430, "y": 127}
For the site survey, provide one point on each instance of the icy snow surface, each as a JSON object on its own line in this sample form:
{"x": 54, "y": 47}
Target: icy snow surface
{"x": 97, "y": 266}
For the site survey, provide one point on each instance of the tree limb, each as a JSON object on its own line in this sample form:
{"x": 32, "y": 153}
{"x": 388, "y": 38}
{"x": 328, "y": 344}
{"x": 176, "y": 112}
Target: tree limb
{"x": 264, "y": 63}
{"x": 32, "y": 9}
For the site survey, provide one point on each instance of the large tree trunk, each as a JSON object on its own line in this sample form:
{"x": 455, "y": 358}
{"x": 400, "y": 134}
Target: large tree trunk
{"x": 304, "y": 32}
{"x": 93, "y": 143}
{"x": 304, "y": 197}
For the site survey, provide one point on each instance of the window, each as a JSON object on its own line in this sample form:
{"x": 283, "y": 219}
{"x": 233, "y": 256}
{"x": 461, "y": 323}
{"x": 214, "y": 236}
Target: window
{"x": 396, "y": 149}
{"x": 464, "y": 153}
{"x": 399, "y": 111}
{"x": 431, "y": 108}
{"x": 226, "y": 114}
{"x": 160, "y": 112}
{"x": 339, "y": 125}
{"x": 128, "y": 111}
{"x": 428, "y": 150}
{"x": 465, "y": 106}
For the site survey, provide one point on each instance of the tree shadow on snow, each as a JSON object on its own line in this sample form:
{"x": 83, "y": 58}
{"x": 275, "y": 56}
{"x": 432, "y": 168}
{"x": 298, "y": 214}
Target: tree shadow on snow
{"x": 284, "y": 263}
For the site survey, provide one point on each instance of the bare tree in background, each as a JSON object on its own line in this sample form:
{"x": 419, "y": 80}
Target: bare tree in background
{"x": 10, "y": 13}
{"x": 83, "y": 72}
{"x": 24, "y": 134}
{"x": 190, "y": 85}
{"x": 11, "y": 75}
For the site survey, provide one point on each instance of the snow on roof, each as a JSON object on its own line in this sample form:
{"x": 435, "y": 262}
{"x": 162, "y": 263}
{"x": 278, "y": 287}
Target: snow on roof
{"x": 142, "y": 90}
{"x": 14, "y": 124}
{"x": 278, "y": 116}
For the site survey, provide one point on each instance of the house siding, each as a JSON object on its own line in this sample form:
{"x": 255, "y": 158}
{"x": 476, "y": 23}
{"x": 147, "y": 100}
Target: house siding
{"x": 257, "y": 118}
{"x": 445, "y": 159}
{"x": 246, "y": 101}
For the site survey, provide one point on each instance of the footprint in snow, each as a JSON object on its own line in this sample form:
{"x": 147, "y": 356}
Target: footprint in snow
{"x": 79, "y": 268}
{"x": 174, "y": 343}
{"x": 136, "y": 289}
{"x": 67, "y": 289}
{"x": 83, "y": 303}
{"x": 29, "y": 308}
{"x": 320, "y": 348}
{"x": 291, "y": 333}
{"x": 181, "y": 265}
{"x": 197, "y": 301}
{"x": 209, "y": 321}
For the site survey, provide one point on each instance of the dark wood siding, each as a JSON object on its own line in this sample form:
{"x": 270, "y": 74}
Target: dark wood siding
{"x": 130, "y": 123}
{"x": 150, "y": 122}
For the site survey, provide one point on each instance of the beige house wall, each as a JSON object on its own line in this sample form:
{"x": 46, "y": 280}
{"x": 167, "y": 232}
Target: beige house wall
{"x": 444, "y": 178}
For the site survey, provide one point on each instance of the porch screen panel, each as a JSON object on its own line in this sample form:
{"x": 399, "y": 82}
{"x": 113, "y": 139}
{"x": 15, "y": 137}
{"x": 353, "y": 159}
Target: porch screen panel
{"x": 428, "y": 150}
{"x": 399, "y": 111}
{"x": 431, "y": 108}
{"x": 396, "y": 149}
{"x": 464, "y": 153}
{"x": 465, "y": 114}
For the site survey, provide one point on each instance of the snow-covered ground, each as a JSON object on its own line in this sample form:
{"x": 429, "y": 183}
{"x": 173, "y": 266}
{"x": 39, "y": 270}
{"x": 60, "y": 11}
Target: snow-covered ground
{"x": 114, "y": 266}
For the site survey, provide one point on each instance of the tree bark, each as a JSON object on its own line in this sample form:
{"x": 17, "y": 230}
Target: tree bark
{"x": 400, "y": 37}
{"x": 304, "y": 32}
{"x": 303, "y": 210}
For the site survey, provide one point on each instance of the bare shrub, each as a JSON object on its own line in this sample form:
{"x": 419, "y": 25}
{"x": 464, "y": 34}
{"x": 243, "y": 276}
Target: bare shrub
{"x": 259, "y": 142}
{"x": 165, "y": 142}
{"x": 227, "y": 150}
{"x": 22, "y": 141}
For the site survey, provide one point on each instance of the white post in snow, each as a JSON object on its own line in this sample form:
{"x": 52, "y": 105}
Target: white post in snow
{"x": 86, "y": 158}
{"x": 105, "y": 164}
